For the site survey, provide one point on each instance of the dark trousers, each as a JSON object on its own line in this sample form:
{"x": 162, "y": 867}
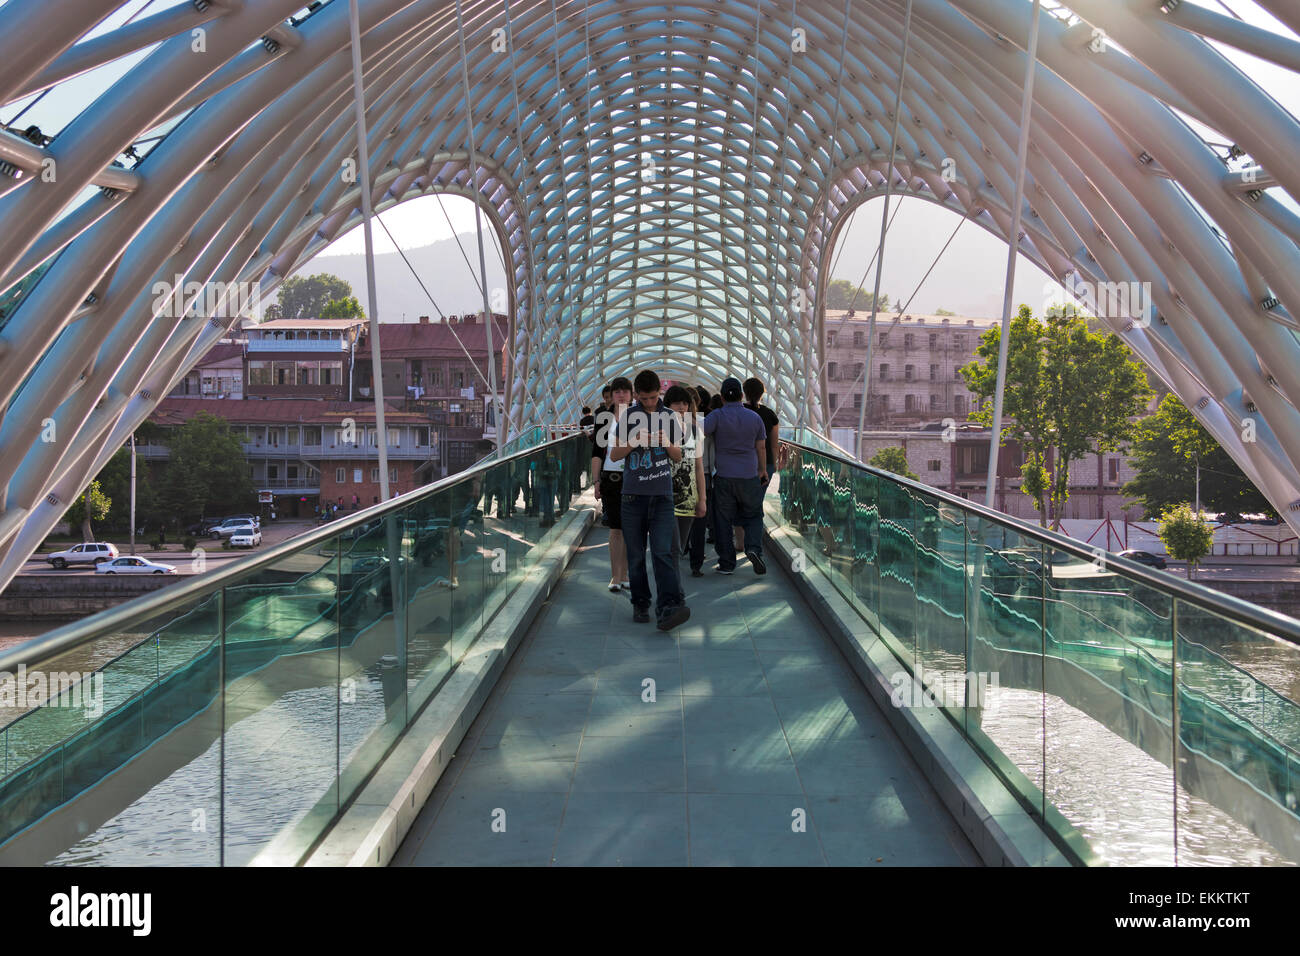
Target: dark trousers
{"x": 740, "y": 502}
{"x": 650, "y": 518}
{"x": 690, "y": 534}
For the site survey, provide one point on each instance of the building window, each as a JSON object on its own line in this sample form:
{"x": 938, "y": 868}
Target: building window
{"x": 291, "y": 435}
{"x": 909, "y": 403}
{"x": 311, "y": 435}
{"x": 392, "y": 474}
{"x": 331, "y": 373}
{"x": 959, "y": 343}
{"x": 284, "y": 373}
{"x": 259, "y": 373}
{"x": 934, "y": 373}
{"x": 460, "y": 378}
{"x": 1114, "y": 471}
{"x": 884, "y": 339}
{"x": 835, "y": 401}
{"x": 934, "y": 403}
{"x": 934, "y": 464}
{"x": 830, "y": 340}
{"x": 422, "y": 437}
{"x": 435, "y": 376}
{"x": 356, "y": 476}
{"x": 340, "y": 475}
{"x": 292, "y": 472}
{"x": 394, "y": 438}
{"x": 374, "y": 474}
{"x": 884, "y": 372}
{"x": 934, "y": 340}
{"x": 959, "y": 405}
{"x": 372, "y": 437}
{"x": 308, "y": 373}
{"x": 857, "y": 401}
{"x": 908, "y": 371}
{"x": 272, "y": 472}
{"x": 909, "y": 341}
{"x": 972, "y": 459}
{"x": 832, "y": 370}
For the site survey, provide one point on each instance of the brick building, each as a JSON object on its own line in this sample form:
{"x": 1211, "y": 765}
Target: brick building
{"x": 300, "y": 391}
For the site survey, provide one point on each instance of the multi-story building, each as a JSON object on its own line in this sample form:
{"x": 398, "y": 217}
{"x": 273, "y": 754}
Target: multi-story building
{"x": 915, "y": 361}
{"x": 219, "y": 374}
{"x": 305, "y": 452}
{"x": 959, "y": 463}
{"x": 300, "y": 393}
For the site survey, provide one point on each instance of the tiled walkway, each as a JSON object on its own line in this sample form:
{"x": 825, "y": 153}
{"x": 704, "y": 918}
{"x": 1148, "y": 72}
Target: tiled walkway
{"x": 759, "y": 747}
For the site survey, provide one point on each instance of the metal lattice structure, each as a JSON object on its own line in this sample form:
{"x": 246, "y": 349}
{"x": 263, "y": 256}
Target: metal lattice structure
{"x": 666, "y": 179}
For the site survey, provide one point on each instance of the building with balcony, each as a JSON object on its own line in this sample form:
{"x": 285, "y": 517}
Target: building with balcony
{"x": 302, "y": 358}
{"x": 916, "y": 358}
{"x": 219, "y": 374}
{"x": 307, "y": 452}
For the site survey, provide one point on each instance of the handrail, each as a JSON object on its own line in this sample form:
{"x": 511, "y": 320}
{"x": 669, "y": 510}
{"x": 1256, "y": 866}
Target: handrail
{"x": 73, "y": 635}
{"x": 1216, "y": 602}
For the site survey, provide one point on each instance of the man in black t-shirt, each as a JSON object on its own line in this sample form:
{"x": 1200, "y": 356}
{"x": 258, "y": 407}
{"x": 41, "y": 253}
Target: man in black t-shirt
{"x": 753, "y": 392}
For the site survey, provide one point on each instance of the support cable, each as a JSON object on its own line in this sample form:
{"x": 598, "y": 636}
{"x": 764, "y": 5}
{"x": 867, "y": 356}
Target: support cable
{"x": 1013, "y": 245}
{"x": 884, "y": 225}
{"x": 488, "y": 320}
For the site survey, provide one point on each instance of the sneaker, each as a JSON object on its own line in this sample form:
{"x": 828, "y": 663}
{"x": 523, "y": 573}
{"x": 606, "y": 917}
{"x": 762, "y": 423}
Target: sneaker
{"x": 641, "y": 615}
{"x": 726, "y": 570}
{"x": 673, "y": 616}
{"x": 756, "y": 560}
{"x": 696, "y": 573}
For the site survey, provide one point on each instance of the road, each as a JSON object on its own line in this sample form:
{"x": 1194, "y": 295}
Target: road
{"x": 214, "y": 556}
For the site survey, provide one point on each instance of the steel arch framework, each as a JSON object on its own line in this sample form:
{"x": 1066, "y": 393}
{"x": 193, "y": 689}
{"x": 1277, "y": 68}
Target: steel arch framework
{"x": 666, "y": 180}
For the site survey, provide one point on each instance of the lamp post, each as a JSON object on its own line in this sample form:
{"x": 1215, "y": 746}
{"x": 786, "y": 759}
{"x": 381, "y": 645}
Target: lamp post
{"x": 132, "y": 493}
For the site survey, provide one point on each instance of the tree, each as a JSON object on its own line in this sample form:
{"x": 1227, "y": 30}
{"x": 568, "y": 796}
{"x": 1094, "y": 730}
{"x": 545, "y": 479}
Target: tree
{"x": 843, "y": 294}
{"x": 206, "y": 470}
{"x": 91, "y": 505}
{"x": 1186, "y": 535}
{"x": 1069, "y": 390}
{"x": 1165, "y": 450}
{"x": 943, "y": 312}
{"x": 305, "y": 297}
{"x": 893, "y": 459}
{"x": 348, "y": 308}
{"x": 115, "y": 479}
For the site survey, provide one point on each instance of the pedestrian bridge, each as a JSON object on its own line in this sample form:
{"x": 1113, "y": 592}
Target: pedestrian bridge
{"x": 916, "y": 681}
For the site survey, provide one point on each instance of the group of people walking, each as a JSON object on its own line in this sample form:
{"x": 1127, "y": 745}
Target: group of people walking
{"x": 674, "y": 471}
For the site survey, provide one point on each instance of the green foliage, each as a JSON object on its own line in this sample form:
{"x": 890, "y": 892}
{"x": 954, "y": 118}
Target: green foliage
{"x": 306, "y": 297}
{"x": 892, "y": 459}
{"x": 206, "y": 470}
{"x": 346, "y": 308}
{"x": 1165, "y": 453}
{"x": 840, "y": 294}
{"x": 115, "y": 479}
{"x": 1068, "y": 389}
{"x": 1186, "y": 535}
{"x": 188, "y": 542}
{"x": 943, "y": 312}
{"x": 91, "y": 505}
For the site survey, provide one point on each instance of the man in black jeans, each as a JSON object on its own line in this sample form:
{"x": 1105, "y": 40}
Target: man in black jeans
{"x": 740, "y": 458}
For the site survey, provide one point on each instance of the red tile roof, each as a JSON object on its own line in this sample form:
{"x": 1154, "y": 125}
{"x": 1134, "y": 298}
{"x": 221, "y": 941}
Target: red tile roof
{"x": 275, "y": 411}
{"x": 221, "y": 353}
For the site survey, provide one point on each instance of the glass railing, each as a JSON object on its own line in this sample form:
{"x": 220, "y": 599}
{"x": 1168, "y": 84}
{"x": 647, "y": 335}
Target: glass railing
{"x": 231, "y": 717}
{"x": 1140, "y": 718}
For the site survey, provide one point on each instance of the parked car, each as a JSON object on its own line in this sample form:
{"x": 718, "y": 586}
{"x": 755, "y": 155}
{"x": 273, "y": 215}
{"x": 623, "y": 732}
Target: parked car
{"x": 130, "y": 565}
{"x": 246, "y": 538}
{"x": 202, "y": 527}
{"x": 1145, "y": 557}
{"x": 255, "y": 519}
{"x": 227, "y": 528}
{"x": 92, "y": 552}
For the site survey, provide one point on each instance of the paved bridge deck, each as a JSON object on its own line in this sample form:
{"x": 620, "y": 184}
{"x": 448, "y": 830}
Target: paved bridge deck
{"x": 756, "y": 716}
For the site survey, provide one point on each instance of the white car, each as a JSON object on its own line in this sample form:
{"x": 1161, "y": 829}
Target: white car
{"x": 130, "y": 565}
{"x": 246, "y": 539}
{"x": 92, "y": 552}
{"x": 228, "y": 528}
